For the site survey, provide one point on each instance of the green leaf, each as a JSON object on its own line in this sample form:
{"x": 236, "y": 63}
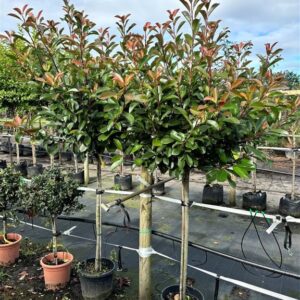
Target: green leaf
{"x": 184, "y": 113}
{"x": 117, "y": 163}
{"x": 177, "y": 136}
{"x": 232, "y": 120}
{"x": 221, "y": 175}
{"x": 83, "y": 148}
{"x": 167, "y": 140}
{"x": 129, "y": 117}
{"x": 214, "y": 124}
{"x": 241, "y": 172}
{"x": 118, "y": 144}
{"x": 136, "y": 148}
{"x": 156, "y": 143}
{"x": 278, "y": 131}
{"x": 189, "y": 160}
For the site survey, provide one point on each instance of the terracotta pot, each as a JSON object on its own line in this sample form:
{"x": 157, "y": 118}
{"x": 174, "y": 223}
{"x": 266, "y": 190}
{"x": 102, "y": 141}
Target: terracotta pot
{"x": 57, "y": 276}
{"x": 10, "y": 252}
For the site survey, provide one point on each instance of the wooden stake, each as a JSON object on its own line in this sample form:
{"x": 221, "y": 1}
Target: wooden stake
{"x": 232, "y": 194}
{"x": 33, "y": 154}
{"x": 184, "y": 233}
{"x": 145, "y": 239}
{"x": 98, "y": 255}
{"x": 86, "y": 170}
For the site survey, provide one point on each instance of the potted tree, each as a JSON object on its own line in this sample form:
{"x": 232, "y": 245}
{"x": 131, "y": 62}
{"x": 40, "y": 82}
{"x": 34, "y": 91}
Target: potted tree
{"x": 10, "y": 195}
{"x": 53, "y": 193}
{"x": 16, "y": 123}
{"x": 289, "y": 205}
{"x": 201, "y": 107}
{"x": 256, "y": 200}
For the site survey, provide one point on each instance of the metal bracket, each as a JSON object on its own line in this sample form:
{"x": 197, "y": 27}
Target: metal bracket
{"x": 276, "y": 221}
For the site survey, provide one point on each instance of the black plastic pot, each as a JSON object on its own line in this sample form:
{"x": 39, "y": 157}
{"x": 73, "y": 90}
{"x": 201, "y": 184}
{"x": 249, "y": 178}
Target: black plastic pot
{"x": 27, "y": 151}
{"x": 213, "y": 194}
{"x": 123, "y": 182}
{"x": 107, "y": 158}
{"x": 66, "y": 156}
{"x": 79, "y": 177}
{"x": 255, "y": 200}
{"x": 159, "y": 190}
{"x": 289, "y": 207}
{"x": 33, "y": 171}
{"x": 3, "y": 164}
{"x": 97, "y": 286}
{"x": 128, "y": 160}
{"x": 22, "y": 168}
{"x": 173, "y": 290}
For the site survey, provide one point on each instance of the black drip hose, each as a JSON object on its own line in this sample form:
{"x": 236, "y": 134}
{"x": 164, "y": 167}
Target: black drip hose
{"x": 279, "y": 266}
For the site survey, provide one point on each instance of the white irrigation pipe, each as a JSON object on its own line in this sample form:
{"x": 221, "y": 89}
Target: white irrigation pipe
{"x": 152, "y": 251}
{"x": 278, "y": 148}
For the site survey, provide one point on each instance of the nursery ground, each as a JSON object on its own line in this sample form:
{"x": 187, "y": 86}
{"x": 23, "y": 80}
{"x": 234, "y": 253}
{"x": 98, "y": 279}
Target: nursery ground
{"x": 222, "y": 232}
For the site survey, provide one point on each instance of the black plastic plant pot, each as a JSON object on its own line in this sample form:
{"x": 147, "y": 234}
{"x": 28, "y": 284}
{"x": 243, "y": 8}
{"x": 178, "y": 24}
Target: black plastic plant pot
{"x": 107, "y": 158}
{"x": 33, "y": 171}
{"x": 79, "y": 177}
{"x": 66, "y": 156}
{"x": 123, "y": 182}
{"x": 3, "y": 164}
{"x": 27, "y": 151}
{"x": 97, "y": 286}
{"x": 255, "y": 200}
{"x": 128, "y": 160}
{"x": 171, "y": 291}
{"x": 213, "y": 194}
{"x": 159, "y": 190}
{"x": 289, "y": 207}
{"x": 22, "y": 168}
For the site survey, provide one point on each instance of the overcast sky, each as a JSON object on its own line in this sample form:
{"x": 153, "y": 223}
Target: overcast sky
{"x": 256, "y": 20}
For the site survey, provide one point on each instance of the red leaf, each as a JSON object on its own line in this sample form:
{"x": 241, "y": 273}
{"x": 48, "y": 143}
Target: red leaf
{"x": 18, "y": 10}
{"x": 24, "y": 7}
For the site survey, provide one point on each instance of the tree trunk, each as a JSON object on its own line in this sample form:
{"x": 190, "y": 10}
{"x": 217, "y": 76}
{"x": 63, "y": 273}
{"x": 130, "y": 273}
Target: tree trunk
{"x": 54, "y": 239}
{"x": 294, "y": 169}
{"x": 18, "y": 153}
{"x": 86, "y": 170}
{"x": 254, "y": 184}
{"x": 4, "y": 224}
{"x": 232, "y": 194}
{"x": 75, "y": 163}
{"x": 33, "y": 154}
{"x": 98, "y": 255}
{"x": 122, "y": 165}
{"x": 51, "y": 160}
{"x": 184, "y": 233}
{"x": 10, "y": 150}
{"x": 145, "y": 239}
{"x": 59, "y": 153}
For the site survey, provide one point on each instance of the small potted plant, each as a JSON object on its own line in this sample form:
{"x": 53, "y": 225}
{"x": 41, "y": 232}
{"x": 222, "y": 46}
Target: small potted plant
{"x": 121, "y": 180}
{"x": 172, "y": 293}
{"x": 54, "y": 193}
{"x": 10, "y": 193}
{"x": 256, "y": 200}
{"x": 213, "y": 194}
{"x": 290, "y": 204}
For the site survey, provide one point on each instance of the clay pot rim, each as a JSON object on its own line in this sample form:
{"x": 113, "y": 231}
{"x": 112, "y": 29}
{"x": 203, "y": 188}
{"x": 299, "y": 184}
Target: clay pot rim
{"x": 18, "y": 236}
{"x": 45, "y": 266}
